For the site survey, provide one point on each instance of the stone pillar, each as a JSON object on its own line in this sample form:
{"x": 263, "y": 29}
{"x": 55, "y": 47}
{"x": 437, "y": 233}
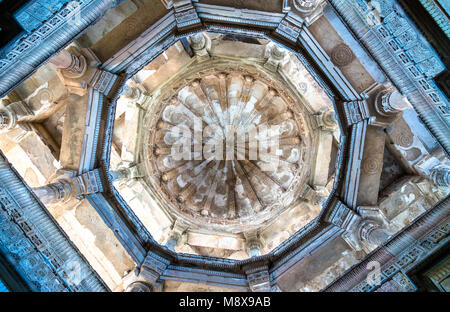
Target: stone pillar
{"x": 200, "y": 44}
{"x": 373, "y": 233}
{"x": 364, "y": 229}
{"x": 13, "y": 114}
{"x": 432, "y": 168}
{"x": 173, "y": 240}
{"x": 175, "y": 235}
{"x": 62, "y": 190}
{"x": 253, "y": 244}
{"x": 59, "y": 191}
{"x": 126, "y": 173}
{"x": 327, "y": 120}
{"x": 81, "y": 69}
{"x": 275, "y": 57}
{"x": 391, "y": 102}
{"x": 70, "y": 62}
{"x": 315, "y": 196}
{"x": 131, "y": 93}
{"x": 441, "y": 175}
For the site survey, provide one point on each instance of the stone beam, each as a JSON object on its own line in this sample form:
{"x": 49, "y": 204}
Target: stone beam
{"x": 371, "y": 166}
{"x": 326, "y": 123}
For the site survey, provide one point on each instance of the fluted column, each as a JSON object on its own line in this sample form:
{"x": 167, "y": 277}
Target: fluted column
{"x": 391, "y": 102}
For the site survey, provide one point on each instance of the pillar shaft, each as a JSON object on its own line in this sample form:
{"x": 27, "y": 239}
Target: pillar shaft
{"x": 54, "y": 192}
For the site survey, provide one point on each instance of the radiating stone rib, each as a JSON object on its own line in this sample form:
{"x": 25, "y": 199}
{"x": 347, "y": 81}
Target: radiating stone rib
{"x": 169, "y": 175}
{"x": 199, "y": 92}
{"x": 231, "y": 184}
{"x": 248, "y": 187}
{"x": 235, "y": 86}
{"x": 243, "y": 99}
{"x": 183, "y": 99}
{"x": 259, "y": 107}
{"x": 266, "y": 178}
{"x": 223, "y": 94}
{"x": 212, "y": 97}
{"x": 211, "y": 193}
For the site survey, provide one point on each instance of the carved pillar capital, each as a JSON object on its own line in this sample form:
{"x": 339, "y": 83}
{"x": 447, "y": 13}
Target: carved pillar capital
{"x": 136, "y": 96}
{"x": 363, "y": 229}
{"x": 176, "y": 235}
{"x": 80, "y": 70}
{"x": 126, "y": 173}
{"x": 275, "y": 57}
{"x": 314, "y": 196}
{"x": 8, "y": 119}
{"x": 326, "y": 120}
{"x": 431, "y": 168}
{"x": 63, "y": 189}
{"x": 253, "y": 244}
{"x": 389, "y": 102}
{"x": 373, "y": 233}
{"x": 200, "y": 44}
{"x": 14, "y": 114}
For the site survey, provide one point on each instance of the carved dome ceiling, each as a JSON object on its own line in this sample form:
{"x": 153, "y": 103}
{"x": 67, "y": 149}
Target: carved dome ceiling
{"x": 228, "y": 143}
{"x": 219, "y": 181}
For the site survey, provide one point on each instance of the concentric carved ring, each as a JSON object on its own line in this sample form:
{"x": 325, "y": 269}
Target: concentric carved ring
{"x": 371, "y": 166}
{"x": 342, "y": 55}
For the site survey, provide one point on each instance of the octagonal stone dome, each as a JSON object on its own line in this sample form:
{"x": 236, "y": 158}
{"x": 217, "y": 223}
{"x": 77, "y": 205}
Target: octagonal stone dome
{"x": 229, "y": 145}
